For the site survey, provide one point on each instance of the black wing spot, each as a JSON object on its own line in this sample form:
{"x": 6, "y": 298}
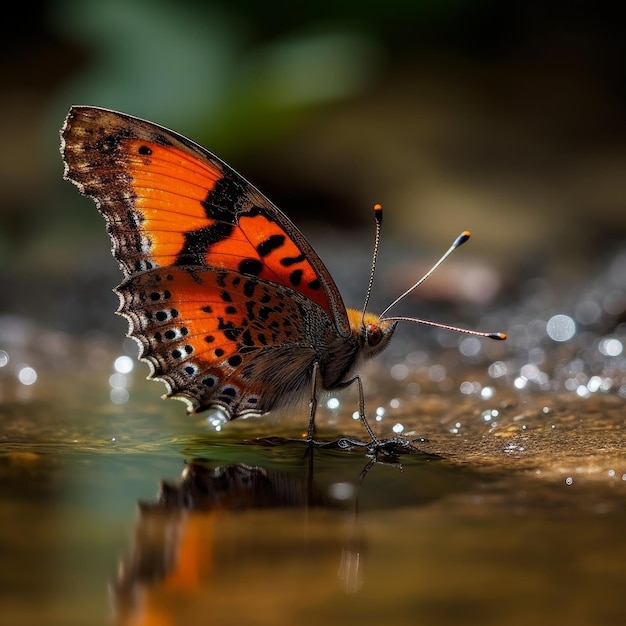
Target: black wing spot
{"x": 288, "y": 261}
{"x": 235, "y": 360}
{"x": 250, "y": 310}
{"x": 296, "y": 277}
{"x": 246, "y": 338}
{"x": 221, "y": 324}
{"x": 251, "y": 266}
{"x": 232, "y": 334}
{"x": 274, "y": 242}
{"x": 223, "y": 201}
{"x": 248, "y": 288}
{"x": 198, "y": 242}
{"x": 229, "y": 391}
{"x": 144, "y": 150}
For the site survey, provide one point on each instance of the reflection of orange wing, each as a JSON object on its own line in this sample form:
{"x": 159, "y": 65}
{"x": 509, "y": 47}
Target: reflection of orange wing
{"x": 169, "y": 202}
{"x": 185, "y": 541}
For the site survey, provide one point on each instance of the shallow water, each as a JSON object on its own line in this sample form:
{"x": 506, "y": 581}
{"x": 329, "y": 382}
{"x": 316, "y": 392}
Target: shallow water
{"x": 521, "y": 522}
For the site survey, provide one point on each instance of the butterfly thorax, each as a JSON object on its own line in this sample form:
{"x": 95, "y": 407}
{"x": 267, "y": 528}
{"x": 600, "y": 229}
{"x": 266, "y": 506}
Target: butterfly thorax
{"x": 369, "y": 336}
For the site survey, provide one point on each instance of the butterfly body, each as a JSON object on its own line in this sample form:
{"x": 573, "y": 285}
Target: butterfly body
{"x": 229, "y": 303}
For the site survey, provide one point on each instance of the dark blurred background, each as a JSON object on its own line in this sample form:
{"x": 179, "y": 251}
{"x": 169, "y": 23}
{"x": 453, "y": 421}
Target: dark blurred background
{"x": 507, "y": 119}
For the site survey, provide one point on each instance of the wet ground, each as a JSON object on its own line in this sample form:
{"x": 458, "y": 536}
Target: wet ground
{"x": 119, "y": 509}
{"x": 505, "y": 521}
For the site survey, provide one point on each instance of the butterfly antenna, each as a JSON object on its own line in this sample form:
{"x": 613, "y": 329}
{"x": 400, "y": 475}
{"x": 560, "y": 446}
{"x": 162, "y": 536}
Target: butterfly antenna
{"x": 459, "y": 241}
{"x": 457, "y": 329}
{"x": 378, "y": 216}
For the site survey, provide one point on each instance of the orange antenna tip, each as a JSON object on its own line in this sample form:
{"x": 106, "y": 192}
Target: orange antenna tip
{"x": 378, "y": 212}
{"x": 461, "y": 239}
{"x": 499, "y": 336}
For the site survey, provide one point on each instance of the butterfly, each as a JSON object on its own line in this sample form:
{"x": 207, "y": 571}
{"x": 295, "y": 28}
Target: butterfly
{"x": 228, "y": 301}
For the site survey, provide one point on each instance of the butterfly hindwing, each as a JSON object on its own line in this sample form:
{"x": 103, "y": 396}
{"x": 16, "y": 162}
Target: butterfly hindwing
{"x": 220, "y": 337}
{"x": 170, "y": 203}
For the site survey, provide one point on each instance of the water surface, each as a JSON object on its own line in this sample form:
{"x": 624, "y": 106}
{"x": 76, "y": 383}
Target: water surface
{"x": 517, "y": 523}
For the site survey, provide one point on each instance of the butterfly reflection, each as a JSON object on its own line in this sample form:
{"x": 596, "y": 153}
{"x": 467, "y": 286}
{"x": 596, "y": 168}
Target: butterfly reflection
{"x": 193, "y": 538}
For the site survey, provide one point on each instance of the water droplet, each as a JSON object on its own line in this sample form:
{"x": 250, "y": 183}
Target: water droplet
{"x": 26, "y": 375}
{"x": 119, "y": 395}
{"x": 333, "y": 403}
{"x": 436, "y": 373}
{"x": 610, "y": 346}
{"x": 399, "y": 371}
{"x": 123, "y": 364}
{"x": 497, "y": 369}
{"x": 486, "y": 393}
{"x": 341, "y": 491}
{"x": 561, "y": 327}
{"x": 470, "y": 346}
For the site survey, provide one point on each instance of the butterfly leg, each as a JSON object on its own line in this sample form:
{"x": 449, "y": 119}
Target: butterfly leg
{"x": 313, "y": 403}
{"x": 390, "y": 447}
{"x": 362, "y": 417}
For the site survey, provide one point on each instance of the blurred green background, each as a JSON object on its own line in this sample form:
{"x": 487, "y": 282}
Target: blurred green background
{"x": 507, "y": 119}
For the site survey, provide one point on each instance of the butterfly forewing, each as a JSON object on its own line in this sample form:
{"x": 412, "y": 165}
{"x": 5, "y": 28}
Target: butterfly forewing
{"x": 170, "y": 203}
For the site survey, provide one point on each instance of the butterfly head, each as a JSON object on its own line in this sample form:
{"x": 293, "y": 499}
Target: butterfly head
{"x": 375, "y": 333}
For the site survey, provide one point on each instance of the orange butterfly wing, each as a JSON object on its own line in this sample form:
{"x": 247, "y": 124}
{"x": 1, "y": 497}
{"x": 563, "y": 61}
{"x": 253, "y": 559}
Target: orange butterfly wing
{"x": 169, "y": 202}
{"x": 221, "y": 290}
